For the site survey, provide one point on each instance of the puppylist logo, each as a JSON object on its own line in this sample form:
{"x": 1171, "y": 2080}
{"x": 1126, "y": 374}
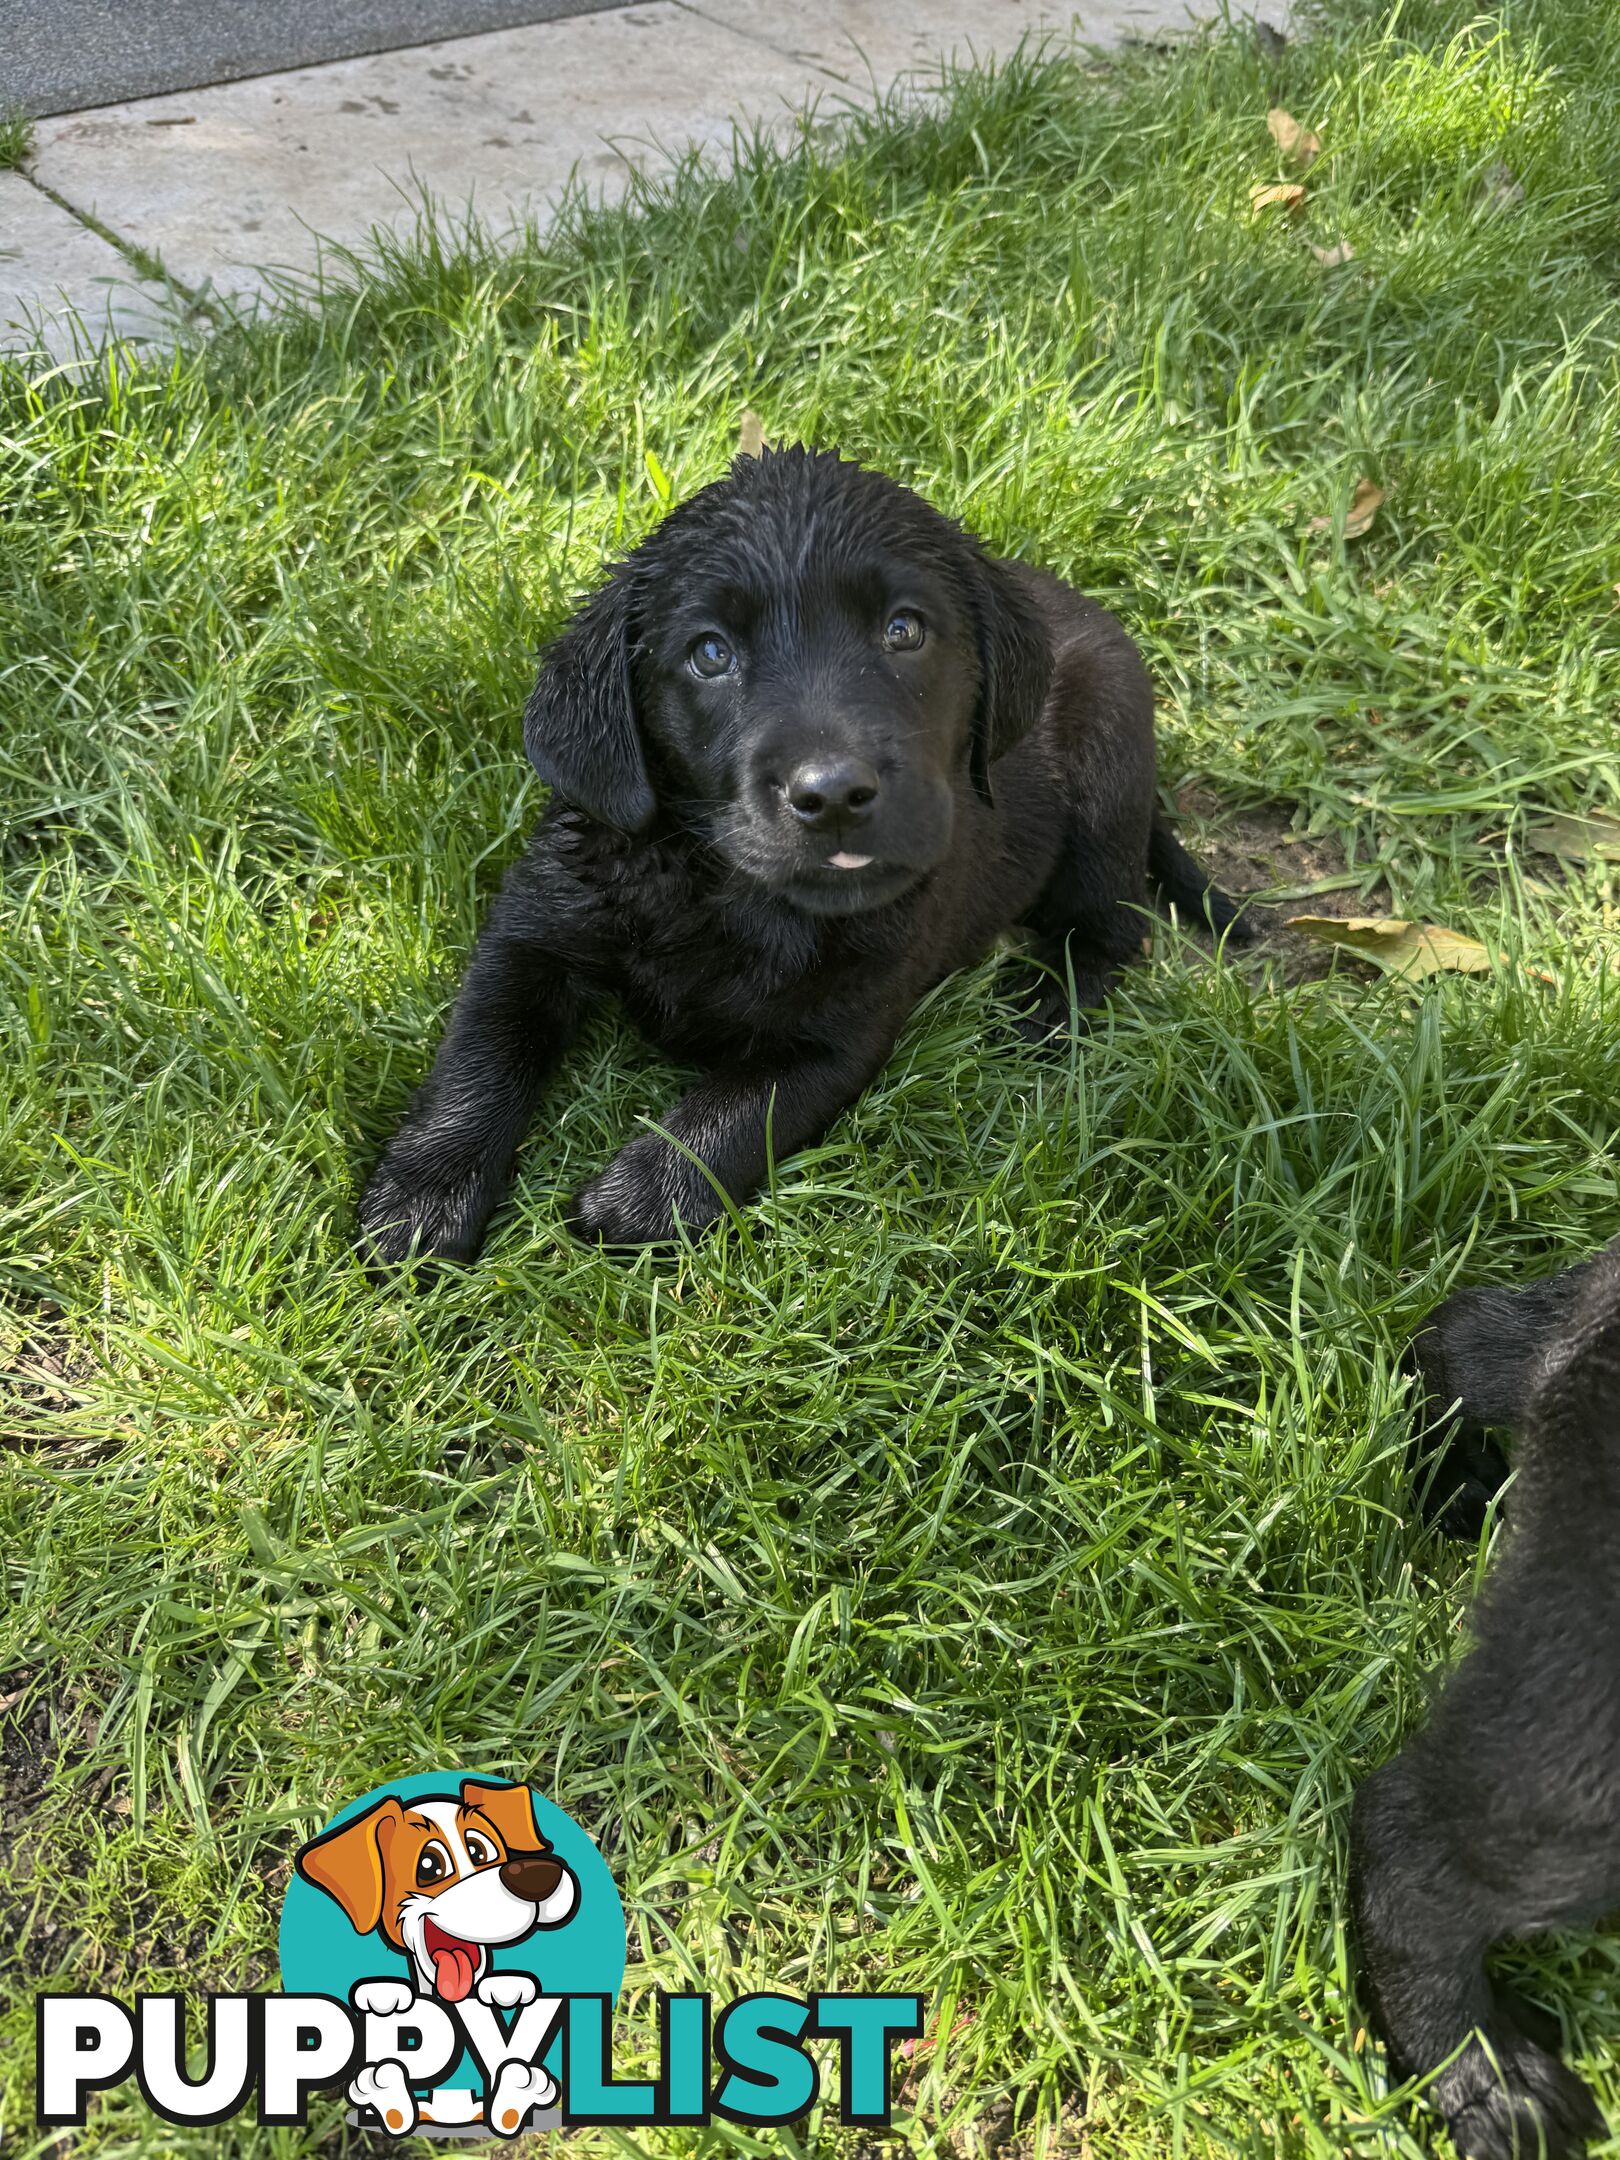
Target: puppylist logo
{"x": 451, "y": 1952}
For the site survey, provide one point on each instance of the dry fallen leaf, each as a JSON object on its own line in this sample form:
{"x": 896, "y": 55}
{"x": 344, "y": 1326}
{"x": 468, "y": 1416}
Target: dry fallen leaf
{"x": 1286, "y": 195}
{"x": 910, "y": 2050}
{"x": 1504, "y": 190}
{"x": 1407, "y": 949}
{"x": 1363, "y": 508}
{"x": 1593, "y": 838}
{"x": 1330, "y": 258}
{"x": 1291, "y": 139}
{"x": 751, "y": 435}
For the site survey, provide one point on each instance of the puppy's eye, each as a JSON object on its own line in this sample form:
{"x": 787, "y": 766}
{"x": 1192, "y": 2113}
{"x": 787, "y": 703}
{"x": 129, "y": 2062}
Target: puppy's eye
{"x": 903, "y": 632}
{"x": 710, "y": 655}
{"x": 432, "y": 1866}
{"x": 480, "y": 1851}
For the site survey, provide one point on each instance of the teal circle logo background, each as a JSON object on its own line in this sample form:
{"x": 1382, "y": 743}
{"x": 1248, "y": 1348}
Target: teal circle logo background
{"x": 321, "y": 1954}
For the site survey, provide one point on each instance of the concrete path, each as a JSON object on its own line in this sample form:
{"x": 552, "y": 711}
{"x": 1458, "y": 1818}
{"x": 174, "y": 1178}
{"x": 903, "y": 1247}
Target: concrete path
{"x": 62, "y": 55}
{"x": 207, "y": 191}
{"x": 48, "y": 256}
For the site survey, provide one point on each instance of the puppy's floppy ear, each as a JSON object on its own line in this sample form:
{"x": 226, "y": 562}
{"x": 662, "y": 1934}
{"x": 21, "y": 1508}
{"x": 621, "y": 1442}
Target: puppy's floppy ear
{"x": 579, "y": 726}
{"x": 347, "y": 1863}
{"x": 511, "y": 1810}
{"x": 1015, "y": 667}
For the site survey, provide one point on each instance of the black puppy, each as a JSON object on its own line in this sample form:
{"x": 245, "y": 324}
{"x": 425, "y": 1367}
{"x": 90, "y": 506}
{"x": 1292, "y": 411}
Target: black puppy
{"x": 1503, "y": 1816}
{"x": 1480, "y": 1333}
{"x": 811, "y": 749}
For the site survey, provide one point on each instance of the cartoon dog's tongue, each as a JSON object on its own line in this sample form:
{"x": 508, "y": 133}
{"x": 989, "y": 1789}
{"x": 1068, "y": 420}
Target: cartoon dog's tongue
{"x": 455, "y": 1963}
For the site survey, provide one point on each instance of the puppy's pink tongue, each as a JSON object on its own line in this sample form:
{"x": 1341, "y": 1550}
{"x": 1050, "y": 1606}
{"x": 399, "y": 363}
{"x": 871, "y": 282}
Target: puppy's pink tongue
{"x": 843, "y": 861}
{"x": 455, "y": 1964}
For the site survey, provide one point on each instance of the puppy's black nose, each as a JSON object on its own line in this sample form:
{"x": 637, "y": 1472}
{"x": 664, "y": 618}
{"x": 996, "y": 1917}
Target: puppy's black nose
{"x": 832, "y": 791}
{"x": 532, "y": 1876}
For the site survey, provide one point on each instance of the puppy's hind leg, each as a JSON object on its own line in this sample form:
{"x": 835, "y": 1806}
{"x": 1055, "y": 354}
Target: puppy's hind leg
{"x": 1088, "y": 925}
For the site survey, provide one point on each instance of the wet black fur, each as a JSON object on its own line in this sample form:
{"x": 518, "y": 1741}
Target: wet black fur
{"x": 1503, "y": 1816}
{"x": 1018, "y": 787}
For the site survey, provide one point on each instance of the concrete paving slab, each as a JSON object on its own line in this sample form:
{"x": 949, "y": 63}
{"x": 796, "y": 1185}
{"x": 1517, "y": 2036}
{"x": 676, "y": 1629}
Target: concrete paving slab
{"x": 219, "y": 184}
{"x": 225, "y": 186}
{"x": 867, "y": 43}
{"x": 61, "y": 55}
{"x": 53, "y": 269}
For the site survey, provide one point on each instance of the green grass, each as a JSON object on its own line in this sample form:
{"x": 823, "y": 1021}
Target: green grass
{"x": 16, "y": 136}
{"x": 989, "y": 1571}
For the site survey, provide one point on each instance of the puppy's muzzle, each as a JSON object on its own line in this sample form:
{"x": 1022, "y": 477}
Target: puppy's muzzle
{"x": 531, "y": 1876}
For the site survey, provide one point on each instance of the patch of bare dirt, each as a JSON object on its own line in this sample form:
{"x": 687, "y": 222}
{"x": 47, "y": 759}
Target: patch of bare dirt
{"x": 41, "y": 1376}
{"x": 46, "y": 1738}
{"x": 1261, "y": 851}
{"x": 31, "y": 1742}
{"x": 25, "y": 1748}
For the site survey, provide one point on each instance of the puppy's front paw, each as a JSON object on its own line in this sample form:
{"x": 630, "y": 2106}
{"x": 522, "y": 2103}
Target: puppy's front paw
{"x": 507, "y": 1990}
{"x": 383, "y": 1998}
{"x": 1514, "y": 2101}
{"x": 640, "y": 1198}
{"x": 404, "y": 1217}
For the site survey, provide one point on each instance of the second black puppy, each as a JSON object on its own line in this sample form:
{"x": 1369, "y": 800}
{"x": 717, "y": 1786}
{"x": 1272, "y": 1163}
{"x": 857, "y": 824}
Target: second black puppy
{"x": 811, "y": 749}
{"x": 1503, "y": 1816}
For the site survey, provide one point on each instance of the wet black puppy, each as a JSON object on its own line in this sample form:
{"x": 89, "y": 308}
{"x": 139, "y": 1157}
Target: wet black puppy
{"x": 811, "y": 748}
{"x": 1503, "y": 1816}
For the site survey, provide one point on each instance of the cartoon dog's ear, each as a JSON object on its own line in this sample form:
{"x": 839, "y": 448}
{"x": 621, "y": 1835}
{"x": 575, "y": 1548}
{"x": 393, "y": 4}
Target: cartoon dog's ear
{"x": 511, "y": 1810}
{"x": 1015, "y": 668}
{"x": 347, "y": 1863}
{"x": 579, "y": 726}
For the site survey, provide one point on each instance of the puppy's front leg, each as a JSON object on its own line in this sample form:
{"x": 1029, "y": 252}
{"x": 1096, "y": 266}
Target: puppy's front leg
{"x": 735, "y": 1123}
{"x": 445, "y": 1170}
{"x": 1433, "y": 1883}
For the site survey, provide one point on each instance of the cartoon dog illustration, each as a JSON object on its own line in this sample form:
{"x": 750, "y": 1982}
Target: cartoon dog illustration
{"x": 444, "y": 1880}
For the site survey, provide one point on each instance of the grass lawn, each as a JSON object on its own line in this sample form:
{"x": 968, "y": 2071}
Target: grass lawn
{"x": 989, "y": 1569}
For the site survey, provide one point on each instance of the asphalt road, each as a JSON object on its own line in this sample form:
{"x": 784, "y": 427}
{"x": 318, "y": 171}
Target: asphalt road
{"x": 60, "y": 56}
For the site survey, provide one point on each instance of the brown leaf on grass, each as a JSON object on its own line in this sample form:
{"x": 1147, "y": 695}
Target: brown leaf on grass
{"x": 1292, "y": 140}
{"x": 1408, "y": 949}
{"x": 913, "y": 2049}
{"x": 1363, "y": 509}
{"x": 1287, "y": 195}
{"x": 751, "y": 434}
{"x": 1330, "y": 258}
{"x": 1593, "y": 838}
{"x": 1504, "y": 190}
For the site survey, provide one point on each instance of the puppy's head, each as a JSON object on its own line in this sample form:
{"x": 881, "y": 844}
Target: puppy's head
{"x": 1575, "y": 1393}
{"x": 802, "y": 665}
{"x": 443, "y": 1877}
